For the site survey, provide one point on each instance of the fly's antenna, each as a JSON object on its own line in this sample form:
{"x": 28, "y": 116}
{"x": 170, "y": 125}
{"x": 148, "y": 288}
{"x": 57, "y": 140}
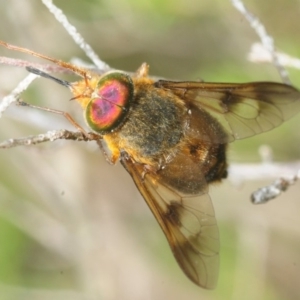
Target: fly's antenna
{"x": 77, "y": 70}
{"x": 48, "y": 76}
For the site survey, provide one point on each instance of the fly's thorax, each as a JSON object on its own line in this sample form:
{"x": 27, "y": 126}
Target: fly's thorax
{"x": 155, "y": 124}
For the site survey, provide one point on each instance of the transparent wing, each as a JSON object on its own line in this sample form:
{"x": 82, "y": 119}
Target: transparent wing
{"x": 188, "y": 222}
{"x": 243, "y": 110}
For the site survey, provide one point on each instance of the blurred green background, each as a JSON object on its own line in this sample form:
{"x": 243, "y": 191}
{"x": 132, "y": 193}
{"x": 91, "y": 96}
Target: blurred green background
{"x": 73, "y": 227}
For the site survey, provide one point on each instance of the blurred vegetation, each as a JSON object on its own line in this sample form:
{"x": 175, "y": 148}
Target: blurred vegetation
{"x": 70, "y": 184}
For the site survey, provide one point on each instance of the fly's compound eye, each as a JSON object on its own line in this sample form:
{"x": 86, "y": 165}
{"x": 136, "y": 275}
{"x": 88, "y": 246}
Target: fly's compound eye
{"x": 110, "y": 103}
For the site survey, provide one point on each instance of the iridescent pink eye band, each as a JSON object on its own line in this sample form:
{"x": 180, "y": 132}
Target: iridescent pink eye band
{"x": 110, "y": 105}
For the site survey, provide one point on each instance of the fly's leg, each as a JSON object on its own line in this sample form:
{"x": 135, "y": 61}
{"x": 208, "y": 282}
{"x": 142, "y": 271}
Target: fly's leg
{"x": 89, "y": 136}
{"x": 111, "y": 159}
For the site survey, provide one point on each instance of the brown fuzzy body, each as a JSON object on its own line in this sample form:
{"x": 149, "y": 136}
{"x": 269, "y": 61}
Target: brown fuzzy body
{"x": 170, "y": 137}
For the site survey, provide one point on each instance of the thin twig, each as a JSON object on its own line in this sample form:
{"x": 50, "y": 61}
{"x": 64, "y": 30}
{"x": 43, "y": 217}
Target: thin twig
{"x": 77, "y": 37}
{"x": 289, "y": 173}
{"x": 14, "y": 95}
{"x": 46, "y": 137}
{"x": 265, "y": 38}
{"x": 259, "y": 54}
{"x": 261, "y": 171}
{"x": 43, "y": 67}
{"x": 273, "y": 190}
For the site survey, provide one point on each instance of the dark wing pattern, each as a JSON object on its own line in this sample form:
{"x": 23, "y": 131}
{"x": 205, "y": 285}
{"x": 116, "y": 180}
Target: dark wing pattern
{"x": 188, "y": 222}
{"x": 243, "y": 110}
